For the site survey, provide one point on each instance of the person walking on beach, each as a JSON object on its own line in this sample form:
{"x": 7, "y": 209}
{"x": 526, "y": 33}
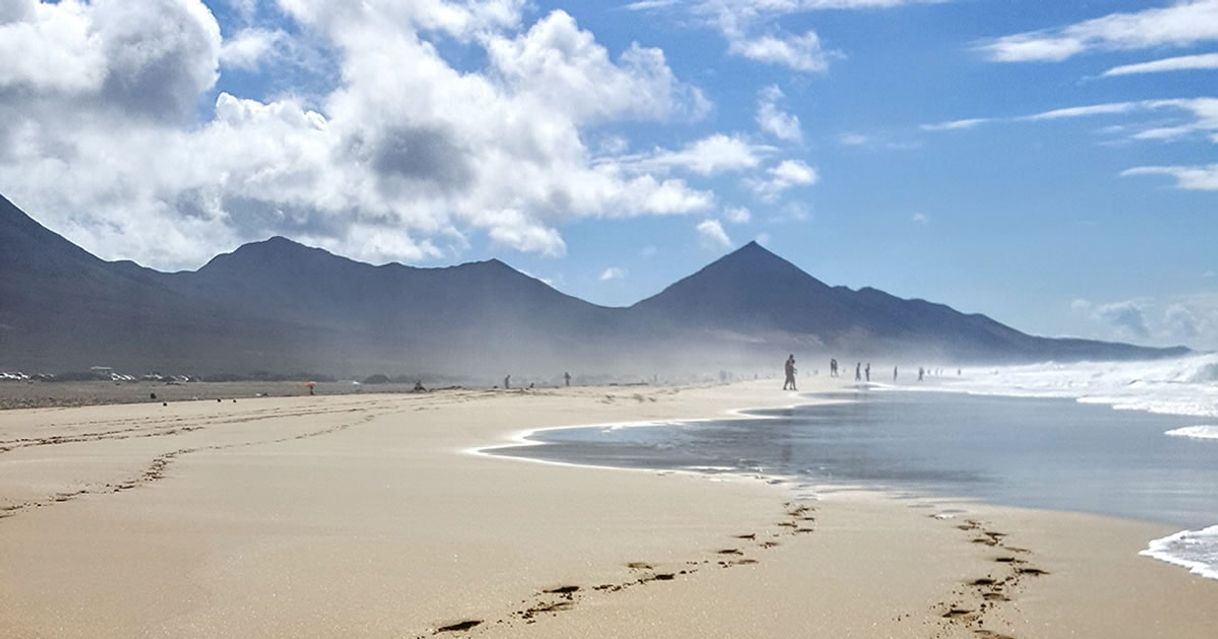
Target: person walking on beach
{"x": 507, "y": 382}
{"x": 566, "y": 378}
{"x": 832, "y": 368}
{"x": 789, "y": 384}
{"x": 894, "y": 373}
{"x": 858, "y": 371}
{"x": 867, "y": 371}
{"x": 920, "y": 372}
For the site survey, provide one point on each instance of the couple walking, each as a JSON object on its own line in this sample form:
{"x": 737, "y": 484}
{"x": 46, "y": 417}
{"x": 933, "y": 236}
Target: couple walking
{"x": 790, "y": 370}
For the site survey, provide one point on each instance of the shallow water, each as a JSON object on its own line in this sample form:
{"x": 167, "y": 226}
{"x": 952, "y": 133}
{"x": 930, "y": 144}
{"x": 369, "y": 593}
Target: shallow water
{"x": 1034, "y": 452}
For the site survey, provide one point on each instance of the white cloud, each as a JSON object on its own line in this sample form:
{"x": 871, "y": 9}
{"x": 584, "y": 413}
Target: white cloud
{"x": 1176, "y": 119}
{"x": 737, "y": 215}
{"x": 774, "y": 120}
{"x": 712, "y": 234}
{"x": 920, "y": 218}
{"x": 1190, "y": 178}
{"x": 1126, "y": 317}
{"x": 563, "y": 67}
{"x": 248, "y": 48}
{"x": 1181, "y": 322}
{"x": 402, "y": 159}
{"x": 1181, "y": 63}
{"x": 711, "y": 155}
{"x": 788, "y": 174}
{"x": 955, "y": 125}
{"x": 1189, "y": 319}
{"x": 854, "y": 139}
{"x": 613, "y": 273}
{"x": 796, "y": 52}
{"x": 751, "y": 26}
{"x": 1183, "y": 23}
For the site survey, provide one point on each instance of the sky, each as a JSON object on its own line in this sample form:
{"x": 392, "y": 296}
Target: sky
{"x": 1050, "y": 164}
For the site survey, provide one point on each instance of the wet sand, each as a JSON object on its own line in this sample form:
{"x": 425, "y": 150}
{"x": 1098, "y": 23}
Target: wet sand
{"x": 367, "y": 516}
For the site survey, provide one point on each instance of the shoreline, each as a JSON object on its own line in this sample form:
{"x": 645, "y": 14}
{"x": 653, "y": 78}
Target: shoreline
{"x": 367, "y": 516}
{"x": 1154, "y": 547}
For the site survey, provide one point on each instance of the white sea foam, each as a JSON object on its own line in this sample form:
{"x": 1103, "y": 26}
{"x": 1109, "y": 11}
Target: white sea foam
{"x": 1195, "y": 432}
{"x": 1196, "y": 550}
{"x": 1180, "y": 386}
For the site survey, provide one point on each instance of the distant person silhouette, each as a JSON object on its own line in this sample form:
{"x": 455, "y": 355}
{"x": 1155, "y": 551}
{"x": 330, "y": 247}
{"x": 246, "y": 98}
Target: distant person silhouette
{"x": 789, "y": 384}
{"x": 867, "y": 371}
{"x": 894, "y": 373}
{"x": 832, "y": 368}
{"x": 566, "y": 378}
{"x": 507, "y": 382}
{"x": 920, "y": 373}
{"x": 858, "y": 374}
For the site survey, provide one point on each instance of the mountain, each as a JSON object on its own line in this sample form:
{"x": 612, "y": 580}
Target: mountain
{"x": 280, "y": 306}
{"x": 752, "y": 291}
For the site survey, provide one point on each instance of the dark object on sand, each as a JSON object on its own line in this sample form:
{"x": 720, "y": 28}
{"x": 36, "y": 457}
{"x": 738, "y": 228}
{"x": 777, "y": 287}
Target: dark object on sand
{"x": 418, "y": 387}
{"x": 164, "y": 403}
{"x": 152, "y": 396}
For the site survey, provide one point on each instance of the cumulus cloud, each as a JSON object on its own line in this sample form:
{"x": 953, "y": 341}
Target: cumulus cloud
{"x": 737, "y": 215}
{"x": 796, "y": 52}
{"x": 250, "y": 47}
{"x": 1181, "y": 322}
{"x": 403, "y": 158}
{"x": 787, "y": 174}
{"x": 1126, "y": 317}
{"x": 613, "y": 273}
{"x": 1182, "y": 23}
{"x": 712, "y": 235}
{"x": 1188, "y": 319}
{"x": 775, "y": 121}
{"x": 1180, "y": 63}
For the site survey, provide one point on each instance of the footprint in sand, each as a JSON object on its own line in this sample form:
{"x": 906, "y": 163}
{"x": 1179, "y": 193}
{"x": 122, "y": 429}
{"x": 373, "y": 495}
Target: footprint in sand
{"x": 460, "y": 626}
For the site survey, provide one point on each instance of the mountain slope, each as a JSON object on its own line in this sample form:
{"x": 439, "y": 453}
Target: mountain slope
{"x": 280, "y": 306}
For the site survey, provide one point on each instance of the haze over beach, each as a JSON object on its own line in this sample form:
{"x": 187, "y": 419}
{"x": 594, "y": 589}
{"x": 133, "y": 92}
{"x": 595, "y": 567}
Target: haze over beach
{"x": 664, "y": 318}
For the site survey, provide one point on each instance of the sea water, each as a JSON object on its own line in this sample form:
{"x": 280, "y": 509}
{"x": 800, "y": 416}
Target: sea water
{"x": 1042, "y": 436}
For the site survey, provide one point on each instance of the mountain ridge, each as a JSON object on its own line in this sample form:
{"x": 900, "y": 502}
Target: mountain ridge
{"x": 278, "y": 304}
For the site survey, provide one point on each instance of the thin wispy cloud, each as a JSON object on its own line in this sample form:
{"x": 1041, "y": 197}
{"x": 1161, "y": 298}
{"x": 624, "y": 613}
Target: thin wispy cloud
{"x": 1200, "y": 116}
{"x": 1204, "y": 61}
{"x": 956, "y": 125}
{"x": 1179, "y": 24}
{"x": 1189, "y": 178}
{"x": 718, "y": 153}
{"x": 752, "y": 28}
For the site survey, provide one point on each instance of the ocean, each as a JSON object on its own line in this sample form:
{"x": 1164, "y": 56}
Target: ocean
{"x": 1134, "y": 439}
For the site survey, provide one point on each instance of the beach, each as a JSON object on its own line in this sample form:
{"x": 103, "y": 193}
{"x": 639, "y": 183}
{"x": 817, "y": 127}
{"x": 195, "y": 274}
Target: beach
{"x": 373, "y": 515}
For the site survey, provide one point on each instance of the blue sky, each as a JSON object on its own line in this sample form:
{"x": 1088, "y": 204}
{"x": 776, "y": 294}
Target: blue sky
{"x": 930, "y": 149}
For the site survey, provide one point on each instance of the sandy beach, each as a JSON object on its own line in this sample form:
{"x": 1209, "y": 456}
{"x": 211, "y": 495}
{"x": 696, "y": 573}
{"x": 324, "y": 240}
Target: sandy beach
{"x": 371, "y": 516}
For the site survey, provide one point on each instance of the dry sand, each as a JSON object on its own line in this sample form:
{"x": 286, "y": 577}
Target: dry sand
{"x": 367, "y": 516}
